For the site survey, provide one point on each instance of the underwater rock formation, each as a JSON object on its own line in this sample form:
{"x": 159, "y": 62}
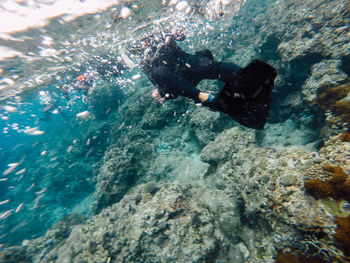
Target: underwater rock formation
{"x": 336, "y": 187}
{"x": 177, "y": 223}
{"x": 54, "y": 237}
{"x": 343, "y": 233}
{"x": 150, "y": 141}
{"x": 271, "y": 184}
{"x": 335, "y": 100}
{"x": 250, "y": 194}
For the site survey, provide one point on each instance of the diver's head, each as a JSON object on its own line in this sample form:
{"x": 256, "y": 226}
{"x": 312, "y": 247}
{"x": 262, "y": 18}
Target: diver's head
{"x": 82, "y": 82}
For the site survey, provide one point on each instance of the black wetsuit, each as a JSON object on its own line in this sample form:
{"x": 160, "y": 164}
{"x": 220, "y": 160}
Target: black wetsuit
{"x": 176, "y": 72}
{"x": 245, "y": 96}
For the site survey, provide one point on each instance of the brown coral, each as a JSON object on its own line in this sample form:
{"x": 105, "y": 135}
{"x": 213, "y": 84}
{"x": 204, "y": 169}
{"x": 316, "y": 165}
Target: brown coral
{"x": 339, "y": 175}
{"x": 345, "y": 190}
{"x": 345, "y": 137}
{"x": 337, "y": 187}
{"x": 343, "y": 233}
{"x": 319, "y": 189}
{"x": 329, "y": 97}
{"x": 291, "y": 258}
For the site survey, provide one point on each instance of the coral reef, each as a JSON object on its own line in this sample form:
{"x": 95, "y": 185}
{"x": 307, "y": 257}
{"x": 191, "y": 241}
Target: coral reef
{"x": 179, "y": 183}
{"x": 345, "y": 137}
{"x": 249, "y": 206}
{"x": 271, "y": 184}
{"x": 55, "y": 236}
{"x": 337, "y": 186}
{"x": 178, "y": 223}
{"x": 335, "y": 99}
{"x": 343, "y": 233}
{"x": 226, "y": 144}
{"x": 149, "y": 140}
{"x": 289, "y": 257}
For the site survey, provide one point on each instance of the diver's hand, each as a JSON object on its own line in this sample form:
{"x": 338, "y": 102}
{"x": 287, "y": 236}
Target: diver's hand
{"x": 157, "y": 97}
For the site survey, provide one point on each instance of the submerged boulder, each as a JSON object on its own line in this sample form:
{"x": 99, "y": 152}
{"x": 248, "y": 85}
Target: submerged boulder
{"x": 178, "y": 223}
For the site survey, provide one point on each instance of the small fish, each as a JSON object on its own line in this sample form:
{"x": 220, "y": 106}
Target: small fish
{"x": 83, "y": 115}
{"x": 72, "y": 165}
{"x": 6, "y": 214}
{"x": 3, "y": 179}
{"x": 121, "y": 126}
{"x": 209, "y": 27}
{"x": 19, "y": 208}
{"x": 4, "y": 202}
{"x": 42, "y": 191}
{"x": 33, "y": 184}
{"x": 21, "y": 171}
{"x": 33, "y": 131}
{"x": 135, "y": 77}
{"x": 19, "y": 179}
{"x": 69, "y": 149}
{"x": 12, "y": 167}
{"x": 36, "y": 201}
{"x": 8, "y": 108}
{"x": 187, "y": 170}
{"x": 88, "y": 153}
{"x": 18, "y": 226}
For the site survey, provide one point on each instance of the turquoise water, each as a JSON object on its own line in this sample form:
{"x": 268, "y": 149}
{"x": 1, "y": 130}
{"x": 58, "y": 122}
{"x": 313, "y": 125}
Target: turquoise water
{"x": 68, "y": 154}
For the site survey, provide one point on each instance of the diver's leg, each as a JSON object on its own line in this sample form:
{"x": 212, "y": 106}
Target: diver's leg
{"x": 199, "y": 67}
{"x": 224, "y": 71}
{"x": 246, "y": 96}
{"x": 171, "y": 84}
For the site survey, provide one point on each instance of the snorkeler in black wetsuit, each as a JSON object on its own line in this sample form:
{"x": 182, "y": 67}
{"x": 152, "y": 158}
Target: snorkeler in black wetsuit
{"x": 245, "y": 96}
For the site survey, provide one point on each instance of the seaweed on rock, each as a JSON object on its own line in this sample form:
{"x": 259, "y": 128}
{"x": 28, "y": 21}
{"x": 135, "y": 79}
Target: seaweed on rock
{"x": 345, "y": 137}
{"x": 334, "y": 98}
{"x": 336, "y": 187}
{"x": 289, "y": 257}
{"x": 343, "y": 233}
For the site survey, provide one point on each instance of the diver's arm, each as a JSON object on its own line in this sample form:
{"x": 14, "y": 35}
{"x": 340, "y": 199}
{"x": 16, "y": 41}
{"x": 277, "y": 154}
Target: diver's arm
{"x": 202, "y": 96}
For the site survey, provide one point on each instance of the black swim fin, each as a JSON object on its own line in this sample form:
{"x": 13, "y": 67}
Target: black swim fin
{"x": 246, "y": 97}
